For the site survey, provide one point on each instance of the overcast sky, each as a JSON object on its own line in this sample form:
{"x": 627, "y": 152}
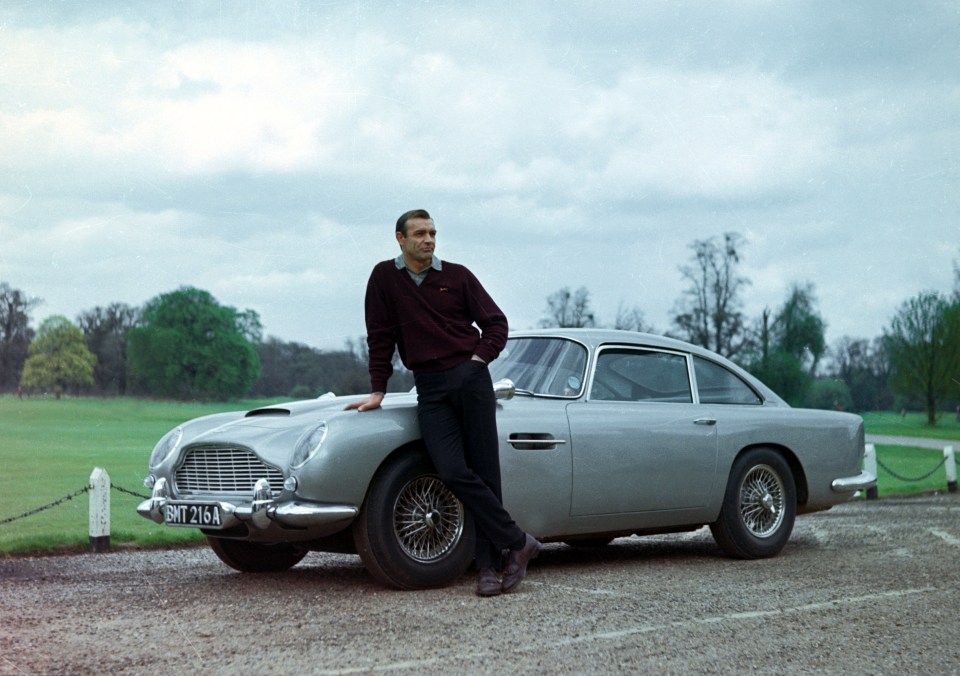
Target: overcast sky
{"x": 262, "y": 151}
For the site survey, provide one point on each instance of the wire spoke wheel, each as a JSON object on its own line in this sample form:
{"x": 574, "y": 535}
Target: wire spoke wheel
{"x": 762, "y": 501}
{"x": 759, "y": 506}
{"x": 427, "y": 519}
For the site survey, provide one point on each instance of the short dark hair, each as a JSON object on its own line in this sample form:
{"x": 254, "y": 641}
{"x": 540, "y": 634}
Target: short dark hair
{"x": 416, "y": 213}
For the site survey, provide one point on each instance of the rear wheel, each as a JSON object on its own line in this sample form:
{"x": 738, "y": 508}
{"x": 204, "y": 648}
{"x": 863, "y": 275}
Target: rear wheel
{"x": 759, "y": 507}
{"x": 253, "y": 557}
{"x": 412, "y": 532}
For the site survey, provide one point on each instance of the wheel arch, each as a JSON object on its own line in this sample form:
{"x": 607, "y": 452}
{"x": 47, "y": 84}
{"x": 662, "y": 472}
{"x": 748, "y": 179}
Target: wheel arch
{"x": 796, "y": 468}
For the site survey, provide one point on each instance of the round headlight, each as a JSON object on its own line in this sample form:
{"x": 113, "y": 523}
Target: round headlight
{"x": 167, "y": 445}
{"x": 308, "y": 445}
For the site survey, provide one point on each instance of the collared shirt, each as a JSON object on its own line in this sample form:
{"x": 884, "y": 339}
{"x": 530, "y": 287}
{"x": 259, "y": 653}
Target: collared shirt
{"x": 418, "y": 277}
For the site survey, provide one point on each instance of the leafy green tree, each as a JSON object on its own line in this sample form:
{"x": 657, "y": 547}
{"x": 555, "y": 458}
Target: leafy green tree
{"x": 799, "y": 329}
{"x": 923, "y": 345}
{"x": 788, "y": 346}
{"x": 58, "y": 359}
{"x": 105, "y": 333}
{"x": 566, "y": 309}
{"x": 15, "y": 334}
{"x": 709, "y": 312}
{"x": 191, "y": 347}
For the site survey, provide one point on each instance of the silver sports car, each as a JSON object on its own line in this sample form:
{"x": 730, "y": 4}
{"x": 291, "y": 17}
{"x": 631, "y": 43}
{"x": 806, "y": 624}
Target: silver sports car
{"x": 603, "y": 434}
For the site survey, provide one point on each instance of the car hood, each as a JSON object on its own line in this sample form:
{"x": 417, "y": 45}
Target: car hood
{"x": 273, "y": 431}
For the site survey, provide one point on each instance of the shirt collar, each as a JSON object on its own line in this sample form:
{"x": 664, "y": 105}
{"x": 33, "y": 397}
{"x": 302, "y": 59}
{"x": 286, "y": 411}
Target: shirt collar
{"x": 435, "y": 264}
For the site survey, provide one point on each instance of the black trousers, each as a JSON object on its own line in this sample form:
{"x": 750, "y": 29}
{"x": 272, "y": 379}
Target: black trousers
{"x": 457, "y": 413}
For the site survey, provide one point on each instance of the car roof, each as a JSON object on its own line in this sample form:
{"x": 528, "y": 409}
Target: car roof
{"x": 594, "y": 338}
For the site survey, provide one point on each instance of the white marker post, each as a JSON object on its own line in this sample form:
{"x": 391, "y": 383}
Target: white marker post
{"x": 99, "y": 510}
{"x": 870, "y": 464}
{"x": 950, "y": 462}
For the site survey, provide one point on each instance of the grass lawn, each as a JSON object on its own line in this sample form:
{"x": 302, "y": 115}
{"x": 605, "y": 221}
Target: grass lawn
{"x": 48, "y": 449}
{"x": 912, "y": 425}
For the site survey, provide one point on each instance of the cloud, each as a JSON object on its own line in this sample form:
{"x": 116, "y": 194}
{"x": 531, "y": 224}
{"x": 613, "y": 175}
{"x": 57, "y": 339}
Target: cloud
{"x": 263, "y": 151}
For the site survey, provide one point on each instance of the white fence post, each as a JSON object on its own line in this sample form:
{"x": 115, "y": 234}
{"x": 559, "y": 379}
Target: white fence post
{"x": 950, "y": 462}
{"x": 99, "y": 510}
{"x": 870, "y": 465}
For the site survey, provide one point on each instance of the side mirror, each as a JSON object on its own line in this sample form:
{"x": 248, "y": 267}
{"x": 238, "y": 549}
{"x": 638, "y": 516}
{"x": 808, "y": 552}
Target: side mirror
{"x": 504, "y": 389}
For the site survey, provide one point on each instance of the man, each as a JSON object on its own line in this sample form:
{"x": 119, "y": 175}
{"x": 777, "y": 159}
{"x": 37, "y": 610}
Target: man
{"x": 429, "y": 310}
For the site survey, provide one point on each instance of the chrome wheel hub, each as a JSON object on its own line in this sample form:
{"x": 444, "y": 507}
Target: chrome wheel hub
{"x": 427, "y": 519}
{"x": 762, "y": 501}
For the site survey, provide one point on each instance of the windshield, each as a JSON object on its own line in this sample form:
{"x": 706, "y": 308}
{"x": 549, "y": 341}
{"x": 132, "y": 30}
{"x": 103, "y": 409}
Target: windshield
{"x": 551, "y": 366}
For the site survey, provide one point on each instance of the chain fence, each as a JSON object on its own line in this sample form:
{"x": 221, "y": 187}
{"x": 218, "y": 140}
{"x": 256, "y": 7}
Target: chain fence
{"x": 65, "y": 499}
{"x": 922, "y": 477}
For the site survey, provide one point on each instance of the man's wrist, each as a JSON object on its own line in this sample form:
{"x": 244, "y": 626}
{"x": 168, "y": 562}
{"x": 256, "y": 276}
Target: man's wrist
{"x": 377, "y": 394}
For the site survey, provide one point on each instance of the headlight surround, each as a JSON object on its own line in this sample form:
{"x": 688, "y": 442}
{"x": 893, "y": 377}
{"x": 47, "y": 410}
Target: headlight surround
{"x": 308, "y": 445}
{"x": 166, "y": 446}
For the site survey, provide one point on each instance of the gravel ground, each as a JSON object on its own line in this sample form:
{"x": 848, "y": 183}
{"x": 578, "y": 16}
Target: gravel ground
{"x": 869, "y": 587}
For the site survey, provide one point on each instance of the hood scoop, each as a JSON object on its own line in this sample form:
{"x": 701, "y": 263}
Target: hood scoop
{"x": 257, "y": 412}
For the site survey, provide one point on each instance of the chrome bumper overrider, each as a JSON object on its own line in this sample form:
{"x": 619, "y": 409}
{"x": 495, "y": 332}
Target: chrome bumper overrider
{"x": 861, "y": 482}
{"x": 261, "y": 511}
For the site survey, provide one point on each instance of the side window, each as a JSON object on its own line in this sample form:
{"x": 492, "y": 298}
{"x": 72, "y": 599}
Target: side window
{"x": 717, "y": 385}
{"x": 641, "y": 375}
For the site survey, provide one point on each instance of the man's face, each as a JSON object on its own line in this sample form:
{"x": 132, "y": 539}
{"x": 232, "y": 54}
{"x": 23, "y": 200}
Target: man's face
{"x": 419, "y": 242}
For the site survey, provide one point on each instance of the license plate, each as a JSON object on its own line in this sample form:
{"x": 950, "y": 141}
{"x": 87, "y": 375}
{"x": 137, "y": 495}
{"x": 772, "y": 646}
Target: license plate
{"x": 193, "y": 515}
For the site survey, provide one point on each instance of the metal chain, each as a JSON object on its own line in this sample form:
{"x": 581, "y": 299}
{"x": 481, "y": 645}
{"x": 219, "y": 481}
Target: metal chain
{"x": 903, "y": 478}
{"x": 45, "y": 507}
{"x": 56, "y": 503}
{"x": 129, "y": 492}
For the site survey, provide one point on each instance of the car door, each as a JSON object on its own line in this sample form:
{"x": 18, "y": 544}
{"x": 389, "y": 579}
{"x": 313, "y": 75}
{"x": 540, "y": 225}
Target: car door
{"x": 639, "y": 443}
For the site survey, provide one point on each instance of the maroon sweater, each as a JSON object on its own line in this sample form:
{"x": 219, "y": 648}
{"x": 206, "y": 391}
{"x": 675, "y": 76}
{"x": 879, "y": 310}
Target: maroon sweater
{"x": 432, "y": 325}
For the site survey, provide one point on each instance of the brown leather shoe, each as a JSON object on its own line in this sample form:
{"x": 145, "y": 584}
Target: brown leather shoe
{"x": 517, "y": 562}
{"x": 487, "y": 583}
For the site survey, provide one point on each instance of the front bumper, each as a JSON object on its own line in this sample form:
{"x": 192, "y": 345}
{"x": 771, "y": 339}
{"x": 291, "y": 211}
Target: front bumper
{"x": 261, "y": 512}
{"x": 863, "y": 481}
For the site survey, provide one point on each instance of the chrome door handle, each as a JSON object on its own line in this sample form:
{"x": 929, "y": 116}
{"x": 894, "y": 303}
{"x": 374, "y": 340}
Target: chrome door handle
{"x": 705, "y": 421}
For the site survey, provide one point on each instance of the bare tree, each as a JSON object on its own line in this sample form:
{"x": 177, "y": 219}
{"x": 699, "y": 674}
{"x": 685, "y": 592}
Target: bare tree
{"x": 709, "y": 312}
{"x": 631, "y": 319}
{"x": 566, "y": 309}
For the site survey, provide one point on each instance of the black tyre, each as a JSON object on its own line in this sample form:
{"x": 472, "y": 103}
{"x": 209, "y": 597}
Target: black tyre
{"x": 412, "y": 533}
{"x": 253, "y": 557}
{"x": 759, "y": 507}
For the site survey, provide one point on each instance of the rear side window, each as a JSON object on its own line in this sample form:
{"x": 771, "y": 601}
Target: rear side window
{"x": 717, "y": 385}
{"x": 641, "y": 375}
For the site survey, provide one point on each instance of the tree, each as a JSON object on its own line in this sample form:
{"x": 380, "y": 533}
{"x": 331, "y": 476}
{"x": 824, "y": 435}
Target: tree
{"x": 829, "y": 394}
{"x": 191, "y": 347}
{"x": 105, "y": 333}
{"x": 799, "y": 329}
{"x": 709, "y": 312}
{"x": 923, "y": 345}
{"x": 15, "y": 334}
{"x": 569, "y": 310}
{"x": 631, "y": 319}
{"x": 58, "y": 359}
{"x": 300, "y": 371}
{"x": 862, "y": 365}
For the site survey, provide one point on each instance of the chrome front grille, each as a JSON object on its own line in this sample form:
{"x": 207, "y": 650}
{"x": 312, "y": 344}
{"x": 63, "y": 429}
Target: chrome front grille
{"x": 224, "y": 470}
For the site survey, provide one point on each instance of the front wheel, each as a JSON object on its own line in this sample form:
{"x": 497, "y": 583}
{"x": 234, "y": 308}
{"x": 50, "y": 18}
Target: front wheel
{"x": 759, "y": 506}
{"x": 253, "y": 557}
{"x": 412, "y": 532}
